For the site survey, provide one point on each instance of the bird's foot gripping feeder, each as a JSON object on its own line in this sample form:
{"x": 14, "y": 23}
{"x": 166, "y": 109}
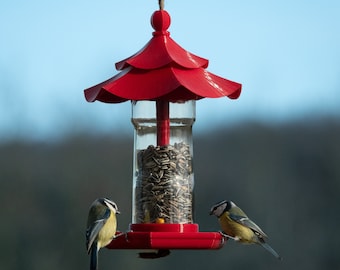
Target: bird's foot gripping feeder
{"x": 163, "y": 81}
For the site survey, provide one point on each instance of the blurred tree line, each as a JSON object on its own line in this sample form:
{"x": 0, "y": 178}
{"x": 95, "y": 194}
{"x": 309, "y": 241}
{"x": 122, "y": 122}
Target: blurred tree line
{"x": 286, "y": 177}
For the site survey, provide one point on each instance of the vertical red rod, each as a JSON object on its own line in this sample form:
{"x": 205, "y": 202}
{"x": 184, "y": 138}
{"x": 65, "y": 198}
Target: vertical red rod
{"x": 163, "y": 122}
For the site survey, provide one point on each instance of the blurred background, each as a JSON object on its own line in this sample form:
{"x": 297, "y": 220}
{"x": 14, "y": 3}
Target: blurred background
{"x": 275, "y": 151}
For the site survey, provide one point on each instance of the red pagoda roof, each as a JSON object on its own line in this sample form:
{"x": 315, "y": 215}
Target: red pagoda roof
{"x": 162, "y": 70}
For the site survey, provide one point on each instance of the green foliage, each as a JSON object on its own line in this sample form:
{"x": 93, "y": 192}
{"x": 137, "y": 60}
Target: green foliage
{"x": 286, "y": 177}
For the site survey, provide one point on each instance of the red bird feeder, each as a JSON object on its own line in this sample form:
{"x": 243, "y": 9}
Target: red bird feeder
{"x": 163, "y": 81}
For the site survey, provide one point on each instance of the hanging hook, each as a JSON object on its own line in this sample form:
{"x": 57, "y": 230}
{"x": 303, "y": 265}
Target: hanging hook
{"x": 161, "y": 4}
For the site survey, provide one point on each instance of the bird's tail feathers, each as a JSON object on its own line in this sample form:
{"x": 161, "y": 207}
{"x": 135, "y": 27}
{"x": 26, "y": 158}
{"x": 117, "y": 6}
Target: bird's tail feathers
{"x": 271, "y": 250}
{"x": 94, "y": 257}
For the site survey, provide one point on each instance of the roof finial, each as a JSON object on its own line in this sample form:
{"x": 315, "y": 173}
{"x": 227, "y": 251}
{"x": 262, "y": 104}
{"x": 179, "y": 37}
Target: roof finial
{"x": 161, "y": 4}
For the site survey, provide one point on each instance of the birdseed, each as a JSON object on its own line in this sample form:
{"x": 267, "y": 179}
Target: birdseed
{"x": 164, "y": 184}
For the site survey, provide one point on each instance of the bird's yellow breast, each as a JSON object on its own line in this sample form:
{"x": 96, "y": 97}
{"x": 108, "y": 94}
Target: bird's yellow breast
{"x": 236, "y": 230}
{"x": 108, "y": 231}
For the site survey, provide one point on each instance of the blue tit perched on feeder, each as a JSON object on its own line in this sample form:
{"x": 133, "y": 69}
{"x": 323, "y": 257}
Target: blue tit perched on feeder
{"x": 236, "y": 225}
{"x": 101, "y": 227}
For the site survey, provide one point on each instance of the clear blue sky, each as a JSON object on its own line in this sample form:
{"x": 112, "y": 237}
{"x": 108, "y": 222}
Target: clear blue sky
{"x": 285, "y": 53}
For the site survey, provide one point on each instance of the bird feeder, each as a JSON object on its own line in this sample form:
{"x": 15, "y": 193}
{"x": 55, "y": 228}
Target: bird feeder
{"x": 163, "y": 82}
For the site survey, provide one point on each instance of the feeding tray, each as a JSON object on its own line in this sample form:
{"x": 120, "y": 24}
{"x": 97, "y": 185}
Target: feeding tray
{"x": 167, "y": 236}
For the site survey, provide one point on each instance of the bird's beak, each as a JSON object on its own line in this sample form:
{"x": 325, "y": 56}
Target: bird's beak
{"x": 117, "y": 212}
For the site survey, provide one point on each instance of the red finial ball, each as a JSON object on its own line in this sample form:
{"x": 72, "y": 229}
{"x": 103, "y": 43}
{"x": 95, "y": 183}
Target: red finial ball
{"x": 160, "y": 20}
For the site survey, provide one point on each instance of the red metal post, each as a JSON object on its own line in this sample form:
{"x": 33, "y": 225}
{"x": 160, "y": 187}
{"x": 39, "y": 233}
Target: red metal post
{"x": 163, "y": 122}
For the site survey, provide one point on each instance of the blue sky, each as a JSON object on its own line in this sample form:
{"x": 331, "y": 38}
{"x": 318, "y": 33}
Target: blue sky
{"x": 285, "y": 53}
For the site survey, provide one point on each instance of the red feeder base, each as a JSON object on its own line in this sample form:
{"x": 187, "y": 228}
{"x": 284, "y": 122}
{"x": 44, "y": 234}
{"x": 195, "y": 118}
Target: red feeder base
{"x": 167, "y": 236}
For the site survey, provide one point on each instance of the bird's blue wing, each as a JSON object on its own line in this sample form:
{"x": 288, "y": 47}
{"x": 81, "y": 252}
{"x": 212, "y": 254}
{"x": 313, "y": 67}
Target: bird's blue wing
{"x": 94, "y": 229}
{"x": 245, "y": 221}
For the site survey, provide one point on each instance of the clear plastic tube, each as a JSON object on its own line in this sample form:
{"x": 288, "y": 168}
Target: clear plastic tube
{"x": 163, "y": 178}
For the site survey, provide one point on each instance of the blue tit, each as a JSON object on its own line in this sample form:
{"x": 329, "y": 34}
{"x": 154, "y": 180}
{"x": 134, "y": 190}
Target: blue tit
{"x": 101, "y": 227}
{"x": 236, "y": 225}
